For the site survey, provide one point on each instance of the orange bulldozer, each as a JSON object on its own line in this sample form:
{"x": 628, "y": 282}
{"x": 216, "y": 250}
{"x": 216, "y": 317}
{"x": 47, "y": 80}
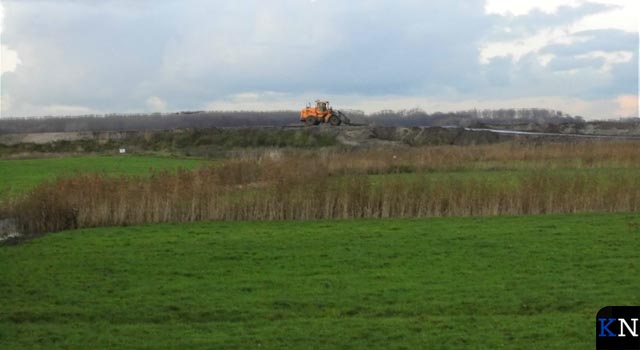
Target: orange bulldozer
{"x": 322, "y": 113}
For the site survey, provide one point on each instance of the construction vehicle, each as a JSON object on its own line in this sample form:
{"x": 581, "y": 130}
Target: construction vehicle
{"x": 323, "y": 113}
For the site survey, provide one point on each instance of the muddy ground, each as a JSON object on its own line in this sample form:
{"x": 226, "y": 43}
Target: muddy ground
{"x": 217, "y": 142}
{"x": 354, "y": 136}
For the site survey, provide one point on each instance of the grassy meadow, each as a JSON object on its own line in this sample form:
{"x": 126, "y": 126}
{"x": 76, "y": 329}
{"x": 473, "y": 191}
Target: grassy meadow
{"x": 504, "y": 246}
{"x": 19, "y": 176}
{"x": 531, "y": 282}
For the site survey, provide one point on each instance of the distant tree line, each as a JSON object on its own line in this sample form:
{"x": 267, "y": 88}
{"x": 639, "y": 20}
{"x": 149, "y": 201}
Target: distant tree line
{"x": 202, "y": 119}
{"x": 418, "y": 117}
{"x": 155, "y": 121}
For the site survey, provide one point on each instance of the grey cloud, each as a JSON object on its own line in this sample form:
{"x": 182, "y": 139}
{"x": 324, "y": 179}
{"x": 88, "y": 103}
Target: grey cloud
{"x": 570, "y": 63}
{"x": 623, "y": 78}
{"x": 114, "y": 55}
{"x": 78, "y": 54}
{"x": 528, "y": 77}
{"x": 596, "y": 40}
{"x": 499, "y": 71}
{"x": 372, "y": 49}
{"x": 511, "y": 27}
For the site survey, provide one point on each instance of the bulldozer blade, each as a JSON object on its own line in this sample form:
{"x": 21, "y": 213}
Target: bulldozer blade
{"x": 344, "y": 118}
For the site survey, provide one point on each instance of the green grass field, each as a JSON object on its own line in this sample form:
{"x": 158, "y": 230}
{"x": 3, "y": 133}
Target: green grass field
{"x": 531, "y": 282}
{"x": 18, "y": 176}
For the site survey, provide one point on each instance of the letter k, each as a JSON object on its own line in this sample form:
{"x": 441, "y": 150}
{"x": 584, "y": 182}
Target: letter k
{"x": 605, "y": 327}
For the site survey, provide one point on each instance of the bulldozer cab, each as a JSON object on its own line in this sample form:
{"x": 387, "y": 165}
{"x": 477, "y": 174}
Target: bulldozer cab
{"x": 321, "y": 106}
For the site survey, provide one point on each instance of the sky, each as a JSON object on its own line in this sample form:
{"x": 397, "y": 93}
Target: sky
{"x": 75, "y": 57}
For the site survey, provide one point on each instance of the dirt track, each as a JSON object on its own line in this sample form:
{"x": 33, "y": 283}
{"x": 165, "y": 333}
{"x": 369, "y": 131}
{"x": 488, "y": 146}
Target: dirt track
{"x": 359, "y": 136}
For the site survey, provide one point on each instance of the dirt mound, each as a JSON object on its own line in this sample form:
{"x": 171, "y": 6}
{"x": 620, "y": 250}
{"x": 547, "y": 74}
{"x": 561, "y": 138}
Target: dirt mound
{"x": 416, "y": 136}
{"x": 210, "y": 142}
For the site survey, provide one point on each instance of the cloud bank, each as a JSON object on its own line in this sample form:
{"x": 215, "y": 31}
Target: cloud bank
{"x": 76, "y": 57}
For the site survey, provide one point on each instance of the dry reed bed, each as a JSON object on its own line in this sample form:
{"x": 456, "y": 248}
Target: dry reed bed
{"x": 596, "y": 154}
{"x": 302, "y": 187}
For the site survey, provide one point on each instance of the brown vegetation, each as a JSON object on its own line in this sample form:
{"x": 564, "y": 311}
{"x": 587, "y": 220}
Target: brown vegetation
{"x": 331, "y": 185}
{"x": 625, "y": 154}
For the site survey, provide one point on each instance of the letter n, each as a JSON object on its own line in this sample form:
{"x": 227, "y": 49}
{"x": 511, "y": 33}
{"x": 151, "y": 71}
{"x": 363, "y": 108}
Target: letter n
{"x": 623, "y": 324}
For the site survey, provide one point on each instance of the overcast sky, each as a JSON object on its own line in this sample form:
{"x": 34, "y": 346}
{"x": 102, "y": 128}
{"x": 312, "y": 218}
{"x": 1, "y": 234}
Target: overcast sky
{"x": 69, "y": 57}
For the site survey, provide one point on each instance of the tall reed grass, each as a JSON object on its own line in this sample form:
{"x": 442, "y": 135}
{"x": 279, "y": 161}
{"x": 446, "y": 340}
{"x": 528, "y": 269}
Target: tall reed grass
{"x": 623, "y": 154}
{"x": 335, "y": 186}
